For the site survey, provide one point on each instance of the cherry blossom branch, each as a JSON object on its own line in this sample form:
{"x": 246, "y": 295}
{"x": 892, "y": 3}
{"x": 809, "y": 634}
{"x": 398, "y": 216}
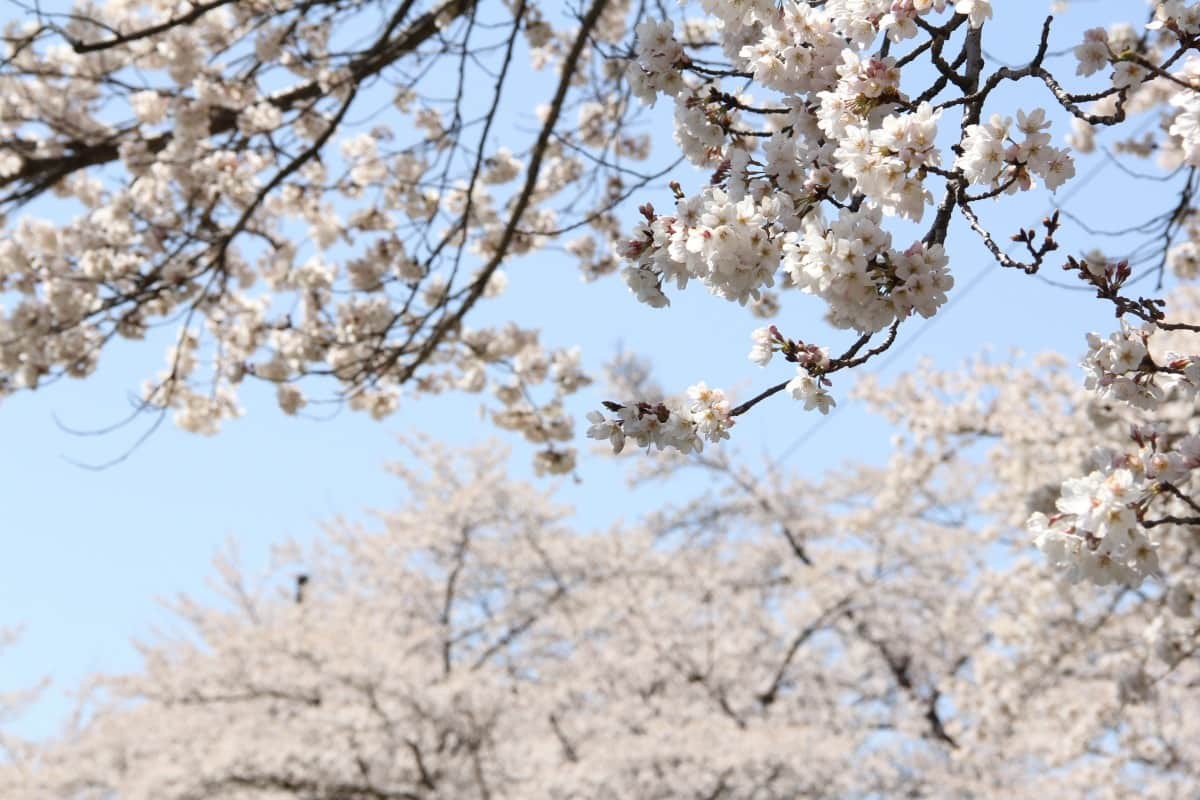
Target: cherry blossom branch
{"x": 198, "y": 11}
{"x": 523, "y": 199}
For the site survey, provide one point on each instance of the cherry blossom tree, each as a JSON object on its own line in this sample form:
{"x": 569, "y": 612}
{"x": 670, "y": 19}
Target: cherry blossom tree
{"x": 880, "y": 631}
{"x": 13, "y": 701}
{"x": 211, "y": 171}
{"x": 221, "y": 180}
{"x": 219, "y": 183}
{"x": 809, "y": 184}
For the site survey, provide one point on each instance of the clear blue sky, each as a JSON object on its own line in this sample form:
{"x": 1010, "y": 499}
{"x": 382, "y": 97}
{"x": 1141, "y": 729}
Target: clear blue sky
{"x": 88, "y": 553}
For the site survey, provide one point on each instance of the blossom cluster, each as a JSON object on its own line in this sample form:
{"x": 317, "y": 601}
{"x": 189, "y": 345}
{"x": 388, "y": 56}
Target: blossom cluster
{"x": 866, "y": 90}
{"x": 681, "y": 424}
{"x": 1097, "y": 535}
{"x": 1104, "y": 528}
{"x": 1186, "y": 125}
{"x": 1102, "y": 47}
{"x": 991, "y": 156}
{"x": 655, "y": 67}
{"x": 1178, "y": 16}
{"x": 886, "y": 163}
{"x": 726, "y": 245}
{"x": 867, "y": 284}
{"x": 1122, "y": 369}
{"x": 768, "y": 341}
{"x": 809, "y": 385}
{"x": 1099, "y": 532}
{"x": 799, "y": 51}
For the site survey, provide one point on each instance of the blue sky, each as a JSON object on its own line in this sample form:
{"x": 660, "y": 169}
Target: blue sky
{"x": 87, "y": 553}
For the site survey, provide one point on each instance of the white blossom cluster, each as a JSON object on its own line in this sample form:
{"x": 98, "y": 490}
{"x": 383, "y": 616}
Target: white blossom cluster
{"x": 799, "y": 51}
{"x": 1132, "y": 51}
{"x": 866, "y": 90}
{"x": 886, "y": 163}
{"x": 1101, "y": 47}
{"x": 1179, "y": 16}
{"x": 681, "y": 424}
{"x": 1186, "y": 126}
{"x": 809, "y": 385}
{"x": 1098, "y": 536}
{"x": 726, "y": 245}
{"x": 810, "y": 390}
{"x": 1104, "y": 529}
{"x": 867, "y": 283}
{"x": 1104, "y": 490}
{"x": 991, "y": 156}
{"x": 1120, "y": 368}
{"x": 528, "y": 364}
{"x": 813, "y": 57}
{"x": 1099, "y": 533}
{"x": 655, "y": 68}
{"x": 768, "y": 341}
